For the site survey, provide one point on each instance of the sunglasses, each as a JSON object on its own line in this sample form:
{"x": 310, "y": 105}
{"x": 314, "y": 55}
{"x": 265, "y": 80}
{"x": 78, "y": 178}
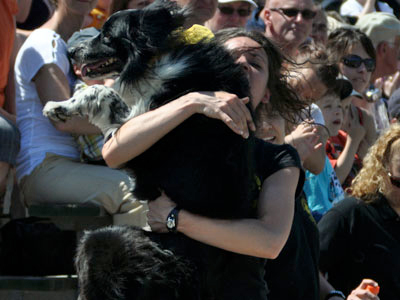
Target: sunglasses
{"x": 227, "y": 10}
{"x": 354, "y": 61}
{"x": 394, "y": 180}
{"x": 307, "y": 14}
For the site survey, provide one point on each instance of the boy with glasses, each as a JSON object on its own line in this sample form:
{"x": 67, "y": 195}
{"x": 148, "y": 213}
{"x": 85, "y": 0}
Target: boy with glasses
{"x": 231, "y": 13}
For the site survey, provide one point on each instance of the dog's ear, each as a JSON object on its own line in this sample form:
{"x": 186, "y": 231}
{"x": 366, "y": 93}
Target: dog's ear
{"x": 154, "y": 24}
{"x": 166, "y": 13}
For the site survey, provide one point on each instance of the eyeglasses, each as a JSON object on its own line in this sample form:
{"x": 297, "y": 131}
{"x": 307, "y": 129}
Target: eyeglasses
{"x": 394, "y": 180}
{"x": 227, "y": 10}
{"x": 354, "y": 61}
{"x": 307, "y": 14}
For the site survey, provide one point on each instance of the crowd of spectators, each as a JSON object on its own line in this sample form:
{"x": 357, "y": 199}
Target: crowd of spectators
{"x": 335, "y": 64}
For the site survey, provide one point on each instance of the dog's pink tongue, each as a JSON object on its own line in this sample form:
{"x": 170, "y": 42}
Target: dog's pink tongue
{"x": 92, "y": 66}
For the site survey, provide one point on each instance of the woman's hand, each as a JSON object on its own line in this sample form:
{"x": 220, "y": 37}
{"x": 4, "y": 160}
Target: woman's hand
{"x": 158, "y": 213}
{"x": 362, "y": 293}
{"x": 227, "y": 107}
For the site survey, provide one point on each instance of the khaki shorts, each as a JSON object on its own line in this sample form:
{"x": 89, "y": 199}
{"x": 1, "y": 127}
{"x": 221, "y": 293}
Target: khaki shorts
{"x": 61, "y": 180}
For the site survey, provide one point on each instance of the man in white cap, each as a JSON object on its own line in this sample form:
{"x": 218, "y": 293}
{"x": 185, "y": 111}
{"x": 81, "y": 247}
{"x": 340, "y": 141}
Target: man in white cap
{"x": 288, "y": 23}
{"x": 231, "y": 13}
{"x": 384, "y": 31}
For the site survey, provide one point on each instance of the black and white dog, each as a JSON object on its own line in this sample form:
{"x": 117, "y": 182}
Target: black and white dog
{"x": 201, "y": 165}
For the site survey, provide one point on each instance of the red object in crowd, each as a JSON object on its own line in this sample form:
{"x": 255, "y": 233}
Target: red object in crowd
{"x": 373, "y": 289}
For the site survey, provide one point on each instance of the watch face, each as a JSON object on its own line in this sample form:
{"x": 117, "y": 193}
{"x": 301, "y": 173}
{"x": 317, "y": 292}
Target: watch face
{"x": 171, "y": 223}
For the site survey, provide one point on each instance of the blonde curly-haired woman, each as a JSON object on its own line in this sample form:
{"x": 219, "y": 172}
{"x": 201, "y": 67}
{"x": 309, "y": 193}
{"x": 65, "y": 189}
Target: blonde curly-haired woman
{"x": 360, "y": 237}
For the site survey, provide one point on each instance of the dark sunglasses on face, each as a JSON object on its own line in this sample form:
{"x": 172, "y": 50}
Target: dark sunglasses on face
{"x": 227, "y": 10}
{"x": 355, "y": 61}
{"x": 307, "y": 14}
{"x": 394, "y": 180}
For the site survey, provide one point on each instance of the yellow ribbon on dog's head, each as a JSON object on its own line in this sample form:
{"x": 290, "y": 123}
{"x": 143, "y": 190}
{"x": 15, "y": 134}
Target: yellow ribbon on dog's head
{"x": 195, "y": 34}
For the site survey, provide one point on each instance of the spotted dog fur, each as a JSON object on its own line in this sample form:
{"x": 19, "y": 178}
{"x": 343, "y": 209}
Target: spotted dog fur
{"x": 102, "y": 105}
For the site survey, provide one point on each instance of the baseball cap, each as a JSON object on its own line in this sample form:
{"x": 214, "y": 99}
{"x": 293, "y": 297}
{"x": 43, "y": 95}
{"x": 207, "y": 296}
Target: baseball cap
{"x": 379, "y": 26}
{"x": 81, "y": 35}
{"x": 231, "y": 1}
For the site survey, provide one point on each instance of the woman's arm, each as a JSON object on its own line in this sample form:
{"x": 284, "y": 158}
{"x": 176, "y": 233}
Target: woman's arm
{"x": 52, "y": 85}
{"x": 24, "y": 7}
{"x": 141, "y": 132}
{"x": 261, "y": 237}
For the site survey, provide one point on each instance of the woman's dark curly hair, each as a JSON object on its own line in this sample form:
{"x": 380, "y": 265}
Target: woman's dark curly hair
{"x": 284, "y": 99}
{"x": 341, "y": 39}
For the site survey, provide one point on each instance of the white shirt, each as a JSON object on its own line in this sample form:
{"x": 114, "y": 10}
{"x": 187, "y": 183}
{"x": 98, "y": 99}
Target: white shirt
{"x": 354, "y": 8}
{"x": 38, "y": 135}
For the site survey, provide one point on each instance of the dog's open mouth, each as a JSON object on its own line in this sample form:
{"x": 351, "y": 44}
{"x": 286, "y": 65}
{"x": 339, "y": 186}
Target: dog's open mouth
{"x": 102, "y": 69}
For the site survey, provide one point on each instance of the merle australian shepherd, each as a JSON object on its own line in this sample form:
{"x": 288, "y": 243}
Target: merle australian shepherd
{"x": 201, "y": 165}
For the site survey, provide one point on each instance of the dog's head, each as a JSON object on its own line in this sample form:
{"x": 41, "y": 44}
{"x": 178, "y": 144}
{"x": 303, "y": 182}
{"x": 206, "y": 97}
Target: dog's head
{"x": 128, "y": 41}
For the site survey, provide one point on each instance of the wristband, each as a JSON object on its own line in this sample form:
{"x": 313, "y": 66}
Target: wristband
{"x": 172, "y": 220}
{"x": 335, "y": 293}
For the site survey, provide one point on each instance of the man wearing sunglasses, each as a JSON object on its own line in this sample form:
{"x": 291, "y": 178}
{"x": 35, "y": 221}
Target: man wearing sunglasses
{"x": 231, "y": 13}
{"x": 288, "y": 23}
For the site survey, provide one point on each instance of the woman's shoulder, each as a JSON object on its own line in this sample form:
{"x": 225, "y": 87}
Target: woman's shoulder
{"x": 280, "y": 156}
{"x": 41, "y": 33}
{"x": 41, "y": 39}
{"x": 276, "y": 151}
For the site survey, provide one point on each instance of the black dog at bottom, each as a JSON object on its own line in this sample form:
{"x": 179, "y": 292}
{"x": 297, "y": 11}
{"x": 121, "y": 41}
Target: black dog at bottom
{"x": 202, "y": 165}
{"x": 120, "y": 262}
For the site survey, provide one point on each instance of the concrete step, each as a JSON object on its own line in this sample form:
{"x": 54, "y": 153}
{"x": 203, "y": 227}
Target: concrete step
{"x": 61, "y": 287}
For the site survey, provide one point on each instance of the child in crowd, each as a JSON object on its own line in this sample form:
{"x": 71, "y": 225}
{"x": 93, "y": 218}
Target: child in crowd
{"x": 341, "y": 147}
{"x": 90, "y": 145}
{"x": 324, "y": 189}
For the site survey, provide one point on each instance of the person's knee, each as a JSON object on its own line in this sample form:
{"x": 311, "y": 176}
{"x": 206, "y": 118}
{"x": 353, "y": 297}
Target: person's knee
{"x": 115, "y": 193}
